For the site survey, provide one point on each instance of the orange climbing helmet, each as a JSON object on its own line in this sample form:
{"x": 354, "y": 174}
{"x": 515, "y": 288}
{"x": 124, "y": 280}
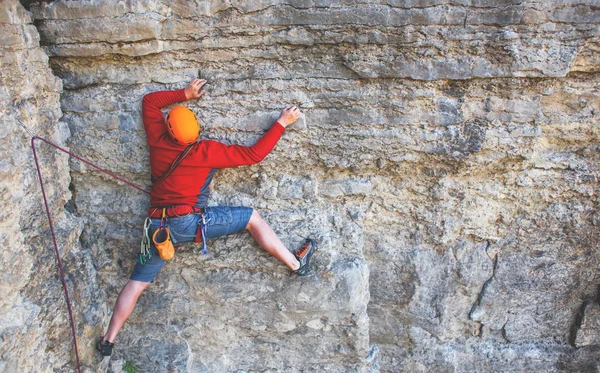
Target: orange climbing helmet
{"x": 183, "y": 125}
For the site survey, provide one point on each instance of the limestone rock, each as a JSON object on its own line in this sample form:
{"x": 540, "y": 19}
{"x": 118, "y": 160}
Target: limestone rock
{"x": 35, "y": 332}
{"x": 446, "y": 164}
{"x": 590, "y": 327}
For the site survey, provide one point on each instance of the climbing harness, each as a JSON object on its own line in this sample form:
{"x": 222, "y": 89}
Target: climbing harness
{"x": 176, "y": 211}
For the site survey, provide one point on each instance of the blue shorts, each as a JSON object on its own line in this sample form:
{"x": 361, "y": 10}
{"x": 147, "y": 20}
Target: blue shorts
{"x": 221, "y": 220}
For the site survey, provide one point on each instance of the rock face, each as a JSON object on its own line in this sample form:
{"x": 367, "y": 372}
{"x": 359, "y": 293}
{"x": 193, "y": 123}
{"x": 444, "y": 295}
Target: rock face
{"x": 34, "y": 325}
{"x": 447, "y": 165}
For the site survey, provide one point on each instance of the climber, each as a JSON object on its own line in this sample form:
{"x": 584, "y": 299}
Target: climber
{"x": 182, "y": 167}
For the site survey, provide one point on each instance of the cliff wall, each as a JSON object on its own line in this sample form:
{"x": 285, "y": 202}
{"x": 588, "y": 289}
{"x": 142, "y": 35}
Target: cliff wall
{"x": 447, "y": 165}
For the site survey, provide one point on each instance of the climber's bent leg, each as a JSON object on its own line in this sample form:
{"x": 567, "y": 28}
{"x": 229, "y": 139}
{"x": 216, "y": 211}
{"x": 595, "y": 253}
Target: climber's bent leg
{"x": 268, "y": 240}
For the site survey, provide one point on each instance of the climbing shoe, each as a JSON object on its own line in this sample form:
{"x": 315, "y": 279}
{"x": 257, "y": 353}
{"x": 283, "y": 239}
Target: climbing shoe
{"x": 303, "y": 254}
{"x": 105, "y": 347}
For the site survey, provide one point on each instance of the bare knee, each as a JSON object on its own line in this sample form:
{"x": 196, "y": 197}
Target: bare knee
{"x": 134, "y": 288}
{"x": 254, "y": 220}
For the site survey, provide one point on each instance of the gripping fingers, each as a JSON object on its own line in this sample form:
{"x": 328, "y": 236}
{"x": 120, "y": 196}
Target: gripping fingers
{"x": 195, "y": 86}
{"x": 198, "y": 83}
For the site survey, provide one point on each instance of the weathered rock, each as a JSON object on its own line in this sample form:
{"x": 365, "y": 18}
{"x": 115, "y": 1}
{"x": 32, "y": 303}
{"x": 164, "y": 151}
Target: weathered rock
{"x": 447, "y": 165}
{"x": 35, "y": 333}
{"x": 589, "y": 330}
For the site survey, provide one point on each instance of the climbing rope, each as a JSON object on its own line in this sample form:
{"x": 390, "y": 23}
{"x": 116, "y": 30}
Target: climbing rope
{"x": 60, "y": 267}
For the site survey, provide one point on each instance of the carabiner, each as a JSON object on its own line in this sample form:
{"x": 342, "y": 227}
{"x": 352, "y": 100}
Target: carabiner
{"x": 145, "y": 252}
{"x": 203, "y": 232}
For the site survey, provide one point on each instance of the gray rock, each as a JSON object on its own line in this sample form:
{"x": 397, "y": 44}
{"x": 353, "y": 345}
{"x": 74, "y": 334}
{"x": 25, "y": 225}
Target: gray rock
{"x": 589, "y": 330}
{"x": 446, "y": 164}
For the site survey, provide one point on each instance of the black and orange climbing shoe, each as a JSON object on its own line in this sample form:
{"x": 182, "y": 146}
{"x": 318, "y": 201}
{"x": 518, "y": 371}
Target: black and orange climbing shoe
{"x": 303, "y": 254}
{"x": 105, "y": 347}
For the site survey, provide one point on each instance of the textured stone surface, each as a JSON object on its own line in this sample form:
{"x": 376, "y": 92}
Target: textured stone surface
{"x": 447, "y": 164}
{"x": 590, "y": 326}
{"x": 34, "y": 327}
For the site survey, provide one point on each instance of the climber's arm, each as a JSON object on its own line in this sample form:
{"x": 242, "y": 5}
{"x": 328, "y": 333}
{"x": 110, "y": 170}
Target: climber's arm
{"x": 217, "y": 155}
{"x": 154, "y": 122}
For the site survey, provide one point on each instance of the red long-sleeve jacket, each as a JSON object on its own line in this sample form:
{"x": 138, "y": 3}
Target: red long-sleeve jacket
{"x": 189, "y": 182}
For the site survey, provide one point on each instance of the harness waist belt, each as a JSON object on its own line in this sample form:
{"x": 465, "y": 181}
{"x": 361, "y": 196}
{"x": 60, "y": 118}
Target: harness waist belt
{"x": 176, "y": 211}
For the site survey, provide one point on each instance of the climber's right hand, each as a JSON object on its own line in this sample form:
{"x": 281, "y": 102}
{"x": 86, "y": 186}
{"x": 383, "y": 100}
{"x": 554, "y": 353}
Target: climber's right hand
{"x": 289, "y": 115}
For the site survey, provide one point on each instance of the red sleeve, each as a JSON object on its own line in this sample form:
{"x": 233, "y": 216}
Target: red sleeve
{"x": 154, "y": 122}
{"x": 218, "y": 155}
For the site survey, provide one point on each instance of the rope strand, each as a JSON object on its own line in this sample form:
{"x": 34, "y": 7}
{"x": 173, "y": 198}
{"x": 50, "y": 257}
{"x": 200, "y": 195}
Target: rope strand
{"x": 91, "y": 164}
{"x": 60, "y": 267}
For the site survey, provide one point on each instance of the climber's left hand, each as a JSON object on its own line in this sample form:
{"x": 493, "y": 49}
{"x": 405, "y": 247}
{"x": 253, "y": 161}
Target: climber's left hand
{"x": 193, "y": 89}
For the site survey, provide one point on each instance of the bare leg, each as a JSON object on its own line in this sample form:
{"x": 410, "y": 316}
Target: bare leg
{"x": 123, "y": 308}
{"x": 268, "y": 240}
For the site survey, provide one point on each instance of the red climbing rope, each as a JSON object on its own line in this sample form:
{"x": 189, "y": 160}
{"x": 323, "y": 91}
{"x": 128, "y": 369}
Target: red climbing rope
{"x": 60, "y": 267}
{"x": 88, "y": 163}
